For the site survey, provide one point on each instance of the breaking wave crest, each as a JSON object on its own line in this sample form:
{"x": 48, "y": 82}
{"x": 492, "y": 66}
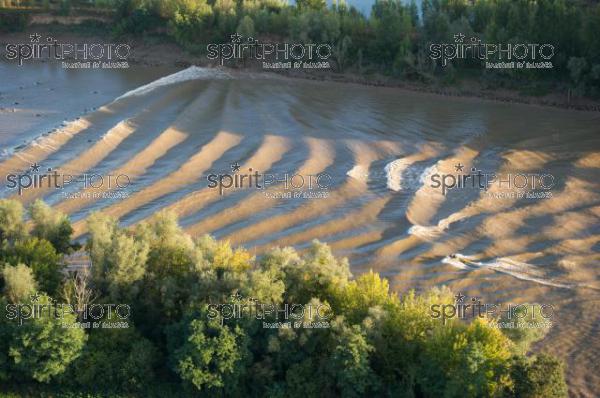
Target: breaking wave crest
{"x": 191, "y": 73}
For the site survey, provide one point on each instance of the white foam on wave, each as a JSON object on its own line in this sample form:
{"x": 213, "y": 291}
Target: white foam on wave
{"x": 517, "y": 269}
{"x": 46, "y": 141}
{"x": 394, "y": 171}
{"x": 430, "y": 231}
{"x": 396, "y": 168}
{"x": 359, "y": 172}
{"x": 191, "y": 73}
{"x": 528, "y": 272}
{"x": 460, "y": 261}
{"x": 44, "y": 145}
{"x": 424, "y": 177}
{"x": 427, "y": 232}
{"x": 6, "y": 152}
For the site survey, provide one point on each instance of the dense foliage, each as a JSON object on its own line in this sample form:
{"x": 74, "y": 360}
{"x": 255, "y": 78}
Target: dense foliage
{"x": 394, "y": 39}
{"x": 13, "y": 21}
{"x": 371, "y": 342}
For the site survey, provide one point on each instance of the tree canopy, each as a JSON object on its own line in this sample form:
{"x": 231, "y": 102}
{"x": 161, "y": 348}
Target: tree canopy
{"x": 206, "y": 319}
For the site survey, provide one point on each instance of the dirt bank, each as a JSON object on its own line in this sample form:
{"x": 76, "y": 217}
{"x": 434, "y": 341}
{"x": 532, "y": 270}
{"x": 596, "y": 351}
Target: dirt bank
{"x": 161, "y": 51}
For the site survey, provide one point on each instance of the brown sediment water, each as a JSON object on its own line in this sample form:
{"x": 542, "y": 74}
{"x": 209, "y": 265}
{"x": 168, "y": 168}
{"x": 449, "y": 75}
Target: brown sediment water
{"x": 271, "y": 151}
{"x": 320, "y": 156}
{"x": 186, "y": 174}
{"x": 355, "y": 185}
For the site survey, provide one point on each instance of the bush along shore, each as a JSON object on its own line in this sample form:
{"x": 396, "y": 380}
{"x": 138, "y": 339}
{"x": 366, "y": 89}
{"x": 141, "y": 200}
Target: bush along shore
{"x": 427, "y": 48}
{"x": 160, "y": 314}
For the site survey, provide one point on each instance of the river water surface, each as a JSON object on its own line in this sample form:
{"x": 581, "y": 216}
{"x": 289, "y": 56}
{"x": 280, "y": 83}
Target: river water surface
{"x": 381, "y": 149}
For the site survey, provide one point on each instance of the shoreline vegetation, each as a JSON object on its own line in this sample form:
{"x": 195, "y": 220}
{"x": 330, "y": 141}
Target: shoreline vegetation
{"x": 390, "y": 47}
{"x": 196, "y": 317}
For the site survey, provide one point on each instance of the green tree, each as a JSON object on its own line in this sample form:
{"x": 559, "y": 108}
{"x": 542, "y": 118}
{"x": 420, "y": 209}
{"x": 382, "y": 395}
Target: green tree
{"x": 400, "y": 330}
{"x": 192, "y": 19}
{"x": 378, "y": 343}
{"x": 5, "y": 336}
{"x": 315, "y": 27}
{"x": 392, "y": 26}
{"x": 102, "y": 230}
{"x": 11, "y": 220}
{"x": 18, "y": 282}
{"x": 470, "y": 361}
{"x": 127, "y": 260}
{"x": 51, "y": 225}
{"x": 246, "y": 27}
{"x": 119, "y": 258}
{"x": 41, "y": 348}
{"x": 540, "y": 378}
{"x": 368, "y": 290}
{"x": 318, "y": 5}
{"x": 319, "y": 275}
{"x": 207, "y": 353}
{"x": 351, "y": 364}
{"x": 121, "y": 358}
{"x": 41, "y": 256}
{"x": 523, "y": 337}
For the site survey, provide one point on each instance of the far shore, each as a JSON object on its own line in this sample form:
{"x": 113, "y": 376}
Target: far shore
{"x": 167, "y": 53}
